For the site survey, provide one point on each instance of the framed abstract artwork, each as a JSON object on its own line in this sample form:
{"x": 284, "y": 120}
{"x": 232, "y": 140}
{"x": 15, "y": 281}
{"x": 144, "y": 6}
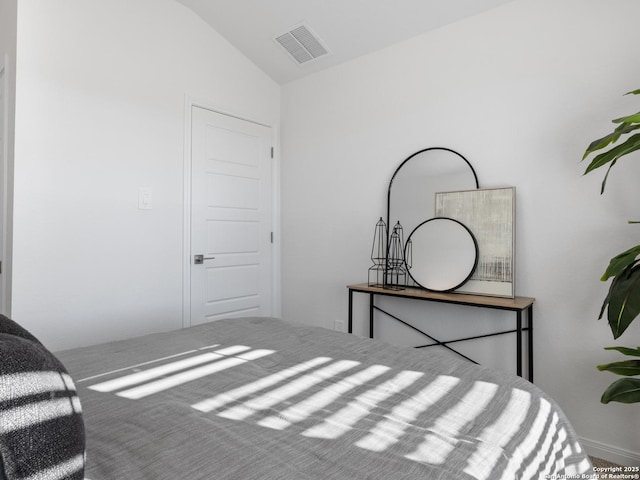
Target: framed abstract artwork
{"x": 490, "y": 215}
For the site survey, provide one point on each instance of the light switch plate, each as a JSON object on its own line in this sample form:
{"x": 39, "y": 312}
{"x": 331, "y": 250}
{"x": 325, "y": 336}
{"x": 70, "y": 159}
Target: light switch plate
{"x": 145, "y": 198}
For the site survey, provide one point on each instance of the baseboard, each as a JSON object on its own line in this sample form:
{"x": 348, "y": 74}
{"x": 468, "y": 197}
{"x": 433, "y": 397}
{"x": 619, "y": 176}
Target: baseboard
{"x": 610, "y": 453}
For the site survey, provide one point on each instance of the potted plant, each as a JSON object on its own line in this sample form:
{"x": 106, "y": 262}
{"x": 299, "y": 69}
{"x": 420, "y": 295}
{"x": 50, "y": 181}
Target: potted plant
{"x": 622, "y": 302}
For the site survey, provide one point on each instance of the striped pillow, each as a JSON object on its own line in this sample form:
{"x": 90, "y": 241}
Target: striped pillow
{"x": 41, "y": 427}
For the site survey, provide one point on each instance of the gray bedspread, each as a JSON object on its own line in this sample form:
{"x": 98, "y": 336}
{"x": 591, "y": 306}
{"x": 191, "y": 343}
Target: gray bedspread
{"x": 262, "y": 399}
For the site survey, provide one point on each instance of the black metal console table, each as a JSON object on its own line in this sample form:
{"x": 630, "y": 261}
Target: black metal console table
{"x": 517, "y": 304}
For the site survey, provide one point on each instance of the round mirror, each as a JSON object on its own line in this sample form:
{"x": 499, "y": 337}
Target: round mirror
{"x": 413, "y": 187}
{"x": 444, "y": 256}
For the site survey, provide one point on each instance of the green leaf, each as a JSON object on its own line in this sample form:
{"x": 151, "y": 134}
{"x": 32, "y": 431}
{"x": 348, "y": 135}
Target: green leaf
{"x": 630, "y": 145}
{"x": 627, "y": 368}
{"x": 604, "y": 180}
{"x": 635, "y": 118}
{"x": 623, "y": 300}
{"x": 625, "y": 390}
{"x": 621, "y": 261}
{"x": 600, "y": 143}
{"x": 626, "y": 126}
{"x": 627, "y": 351}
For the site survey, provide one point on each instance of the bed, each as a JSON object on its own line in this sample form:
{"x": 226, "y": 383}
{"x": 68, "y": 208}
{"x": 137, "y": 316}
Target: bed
{"x": 263, "y": 399}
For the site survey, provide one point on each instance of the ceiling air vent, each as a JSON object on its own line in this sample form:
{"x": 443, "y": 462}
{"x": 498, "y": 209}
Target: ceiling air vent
{"x": 302, "y": 44}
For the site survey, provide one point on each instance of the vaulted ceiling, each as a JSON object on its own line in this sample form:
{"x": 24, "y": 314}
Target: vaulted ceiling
{"x": 345, "y": 28}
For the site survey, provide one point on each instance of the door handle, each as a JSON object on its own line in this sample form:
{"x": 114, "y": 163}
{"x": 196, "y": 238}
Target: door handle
{"x": 199, "y": 259}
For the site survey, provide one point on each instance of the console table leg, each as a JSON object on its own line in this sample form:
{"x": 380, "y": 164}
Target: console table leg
{"x": 350, "y": 324}
{"x": 519, "y": 342}
{"x": 530, "y": 340}
{"x": 371, "y": 300}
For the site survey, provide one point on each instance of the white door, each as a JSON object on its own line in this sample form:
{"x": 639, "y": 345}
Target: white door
{"x": 231, "y": 233}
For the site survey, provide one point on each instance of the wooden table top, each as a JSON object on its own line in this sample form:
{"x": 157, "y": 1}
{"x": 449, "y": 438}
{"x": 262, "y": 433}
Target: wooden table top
{"x": 517, "y": 303}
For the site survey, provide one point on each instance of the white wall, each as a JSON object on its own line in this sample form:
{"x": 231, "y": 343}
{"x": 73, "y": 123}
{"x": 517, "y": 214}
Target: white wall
{"x": 520, "y": 91}
{"x": 101, "y": 112}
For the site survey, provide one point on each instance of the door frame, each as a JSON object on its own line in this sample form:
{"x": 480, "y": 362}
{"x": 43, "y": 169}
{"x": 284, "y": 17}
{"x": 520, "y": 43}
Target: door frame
{"x": 5, "y": 300}
{"x": 190, "y": 103}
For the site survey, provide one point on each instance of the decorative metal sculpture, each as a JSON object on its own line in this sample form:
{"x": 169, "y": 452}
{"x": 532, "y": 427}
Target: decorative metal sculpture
{"x": 378, "y": 255}
{"x": 396, "y": 272}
